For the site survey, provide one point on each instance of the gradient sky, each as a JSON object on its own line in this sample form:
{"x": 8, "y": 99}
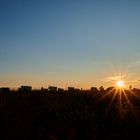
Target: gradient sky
{"x": 68, "y": 42}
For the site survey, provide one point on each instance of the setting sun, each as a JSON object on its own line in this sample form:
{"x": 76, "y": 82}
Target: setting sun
{"x": 120, "y": 84}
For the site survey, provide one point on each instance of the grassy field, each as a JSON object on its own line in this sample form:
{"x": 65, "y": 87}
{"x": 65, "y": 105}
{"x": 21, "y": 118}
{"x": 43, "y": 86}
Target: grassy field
{"x": 69, "y": 115}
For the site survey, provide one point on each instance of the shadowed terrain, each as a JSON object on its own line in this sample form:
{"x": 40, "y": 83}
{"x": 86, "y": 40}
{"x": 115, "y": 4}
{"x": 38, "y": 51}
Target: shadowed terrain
{"x": 69, "y": 115}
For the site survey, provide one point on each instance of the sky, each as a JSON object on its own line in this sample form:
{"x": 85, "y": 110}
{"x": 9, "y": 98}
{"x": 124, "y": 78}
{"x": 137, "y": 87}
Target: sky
{"x": 79, "y": 43}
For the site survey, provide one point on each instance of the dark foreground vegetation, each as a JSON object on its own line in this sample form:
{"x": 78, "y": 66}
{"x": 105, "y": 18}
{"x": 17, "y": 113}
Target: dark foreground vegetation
{"x": 79, "y": 115}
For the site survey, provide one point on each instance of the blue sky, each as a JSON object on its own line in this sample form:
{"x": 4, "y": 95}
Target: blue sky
{"x": 71, "y": 42}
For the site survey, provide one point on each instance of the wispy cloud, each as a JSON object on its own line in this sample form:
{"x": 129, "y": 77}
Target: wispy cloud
{"x": 51, "y": 72}
{"x": 113, "y": 78}
{"x": 134, "y": 64}
{"x": 127, "y": 78}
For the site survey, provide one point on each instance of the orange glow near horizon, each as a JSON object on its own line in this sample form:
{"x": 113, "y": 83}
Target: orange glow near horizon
{"x": 119, "y": 94}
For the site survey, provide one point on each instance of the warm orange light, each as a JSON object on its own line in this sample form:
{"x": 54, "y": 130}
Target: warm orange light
{"x": 120, "y": 84}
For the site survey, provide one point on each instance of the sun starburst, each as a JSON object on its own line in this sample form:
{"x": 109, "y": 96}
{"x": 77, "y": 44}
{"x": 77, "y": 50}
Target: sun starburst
{"x": 119, "y": 96}
{"x": 120, "y": 84}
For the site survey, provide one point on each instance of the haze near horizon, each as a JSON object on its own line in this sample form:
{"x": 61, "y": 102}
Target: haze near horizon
{"x": 78, "y": 43}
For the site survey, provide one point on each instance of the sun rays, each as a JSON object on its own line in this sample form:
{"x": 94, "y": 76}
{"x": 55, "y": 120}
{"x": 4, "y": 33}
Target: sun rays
{"x": 120, "y": 97}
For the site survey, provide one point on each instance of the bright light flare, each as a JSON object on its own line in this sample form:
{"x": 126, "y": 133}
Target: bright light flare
{"x": 120, "y": 84}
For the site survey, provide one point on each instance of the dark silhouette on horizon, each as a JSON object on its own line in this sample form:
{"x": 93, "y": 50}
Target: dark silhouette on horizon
{"x": 72, "y": 114}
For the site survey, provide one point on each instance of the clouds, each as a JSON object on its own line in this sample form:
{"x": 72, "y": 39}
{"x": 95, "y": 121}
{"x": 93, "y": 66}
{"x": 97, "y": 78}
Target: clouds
{"x": 134, "y": 64}
{"x": 113, "y": 78}
{"x": 129, "y": 79}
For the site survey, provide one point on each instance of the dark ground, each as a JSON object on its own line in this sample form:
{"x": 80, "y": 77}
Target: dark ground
{"x": 68, "y": 116}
